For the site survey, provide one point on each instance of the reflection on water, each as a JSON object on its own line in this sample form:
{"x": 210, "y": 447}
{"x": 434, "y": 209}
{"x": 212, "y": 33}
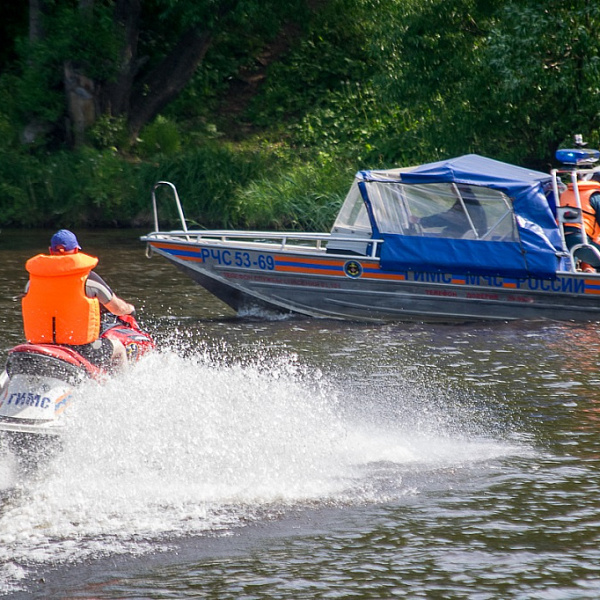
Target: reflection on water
{"x": 307, "y": 458}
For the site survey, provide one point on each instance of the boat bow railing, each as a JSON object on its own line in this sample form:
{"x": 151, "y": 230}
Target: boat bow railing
{"x": 177, "y": 203}
{"x": 282, "y": 240}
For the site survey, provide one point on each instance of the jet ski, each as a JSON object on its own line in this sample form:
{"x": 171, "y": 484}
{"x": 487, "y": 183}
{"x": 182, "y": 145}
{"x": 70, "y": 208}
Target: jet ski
{"x": 40, "y": 381}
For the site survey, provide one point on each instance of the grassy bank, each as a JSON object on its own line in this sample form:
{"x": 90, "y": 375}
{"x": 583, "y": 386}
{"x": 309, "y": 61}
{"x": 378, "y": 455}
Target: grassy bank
{"x": 221, "y": 185}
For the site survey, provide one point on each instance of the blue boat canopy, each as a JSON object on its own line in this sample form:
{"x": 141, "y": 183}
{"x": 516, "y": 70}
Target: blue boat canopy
{"x": 466, "y": 215}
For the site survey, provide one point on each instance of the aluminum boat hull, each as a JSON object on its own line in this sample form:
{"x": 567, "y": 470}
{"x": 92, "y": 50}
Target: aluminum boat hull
{"x": 312, "y": 282}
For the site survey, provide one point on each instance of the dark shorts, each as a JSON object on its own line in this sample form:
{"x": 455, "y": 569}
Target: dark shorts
{"x": 99, "y": 352}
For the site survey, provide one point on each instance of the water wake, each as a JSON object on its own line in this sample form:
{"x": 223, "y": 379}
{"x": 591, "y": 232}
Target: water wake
{"x": 177, "y": 446}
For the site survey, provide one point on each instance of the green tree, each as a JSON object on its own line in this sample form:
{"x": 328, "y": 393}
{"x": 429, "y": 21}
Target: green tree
{"x": 541, "y": 66}
{"x": 128, "y": 59}
{"x": 511, "y": 79}
{"x": 430, "y": 54}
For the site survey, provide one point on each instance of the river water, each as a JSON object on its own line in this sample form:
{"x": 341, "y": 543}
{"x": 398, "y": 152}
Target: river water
{"x": 261, "y": 458}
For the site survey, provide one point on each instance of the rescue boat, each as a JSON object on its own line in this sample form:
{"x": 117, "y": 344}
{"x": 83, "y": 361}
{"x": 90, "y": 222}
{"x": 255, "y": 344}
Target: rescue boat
{"x": 465, "y": 239}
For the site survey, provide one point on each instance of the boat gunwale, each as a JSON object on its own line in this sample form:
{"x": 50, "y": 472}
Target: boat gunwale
{"x": 219, "y": 237}
{"x": 262, "y": 239}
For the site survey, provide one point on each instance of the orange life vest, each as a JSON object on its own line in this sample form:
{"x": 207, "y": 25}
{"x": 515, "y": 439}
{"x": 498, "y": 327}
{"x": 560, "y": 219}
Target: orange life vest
{"x": 55, "y": 308}
{"x": 586, "y": 190}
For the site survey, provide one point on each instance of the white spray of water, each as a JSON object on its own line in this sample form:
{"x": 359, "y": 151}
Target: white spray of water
{"x": 179, "y": 446}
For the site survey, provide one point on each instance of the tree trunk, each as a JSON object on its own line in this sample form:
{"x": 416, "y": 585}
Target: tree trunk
{"x": 139, "y": 100}
{"x": 36, "y": 16}
{"x": 87, "y": 99}
{"x": 35, "y": 128}
{"x": 167, "y": 80}
{"x": 80, "y": 91}
{"x": 115, "y": 97}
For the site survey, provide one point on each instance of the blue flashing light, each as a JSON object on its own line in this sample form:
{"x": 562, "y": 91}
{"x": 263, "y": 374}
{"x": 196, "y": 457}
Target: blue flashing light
{"x": 577, "y": 156}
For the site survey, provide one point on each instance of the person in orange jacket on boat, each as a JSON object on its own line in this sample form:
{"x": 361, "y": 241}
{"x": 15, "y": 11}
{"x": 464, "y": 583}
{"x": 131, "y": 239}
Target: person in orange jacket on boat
{"x": 589, "y": 195}
{"x": 62, "y": 303}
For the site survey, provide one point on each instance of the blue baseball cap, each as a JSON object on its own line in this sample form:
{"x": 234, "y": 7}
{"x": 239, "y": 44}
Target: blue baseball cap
{"x": 64, "y": 239}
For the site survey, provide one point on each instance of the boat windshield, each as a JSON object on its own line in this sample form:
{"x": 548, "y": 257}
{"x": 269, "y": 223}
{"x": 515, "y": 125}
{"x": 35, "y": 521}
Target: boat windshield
{"x": 447, "y": 210}
{"x": 353, "y": 215}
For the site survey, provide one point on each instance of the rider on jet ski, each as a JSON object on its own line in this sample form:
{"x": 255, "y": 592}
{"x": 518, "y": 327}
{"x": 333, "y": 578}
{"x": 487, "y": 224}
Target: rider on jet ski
{"x": 62, "y": 302}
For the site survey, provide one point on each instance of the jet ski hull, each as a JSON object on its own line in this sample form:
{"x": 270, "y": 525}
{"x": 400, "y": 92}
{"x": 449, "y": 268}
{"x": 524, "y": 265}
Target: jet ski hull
{"x": 40, "y": 383}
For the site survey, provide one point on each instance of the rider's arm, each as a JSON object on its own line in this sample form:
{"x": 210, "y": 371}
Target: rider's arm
{"x": 96, "y": 287}
{"x": 119, "y": 307}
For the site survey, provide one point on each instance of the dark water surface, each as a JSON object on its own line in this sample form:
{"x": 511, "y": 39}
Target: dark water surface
{"x": 260, "y": 458}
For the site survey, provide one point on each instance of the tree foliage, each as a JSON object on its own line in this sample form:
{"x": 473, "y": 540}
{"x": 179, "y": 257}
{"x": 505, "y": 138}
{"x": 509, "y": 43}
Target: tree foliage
{"x": 273, "y": 93}
{"x": 511, "y": 79}
{"x": 542, "y": 61}
{"x": 127, "y": 58}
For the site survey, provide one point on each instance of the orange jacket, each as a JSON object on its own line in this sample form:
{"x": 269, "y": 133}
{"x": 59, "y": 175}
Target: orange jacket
{"x": 55, "y": 308}
{"x": 586, "y": 190}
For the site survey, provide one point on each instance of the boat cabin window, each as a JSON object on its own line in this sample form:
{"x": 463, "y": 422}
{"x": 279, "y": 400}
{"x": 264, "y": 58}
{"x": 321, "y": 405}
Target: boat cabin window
{"x": 352, "y": 227}
{"x": 353, "y": 215}
{"x": 448, "y": 210}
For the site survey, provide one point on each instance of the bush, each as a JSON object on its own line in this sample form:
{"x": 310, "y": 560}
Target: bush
{"x": 160, "y": 137}
{"x": 208, "y": 179}
{"x": 305, "y": 197}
